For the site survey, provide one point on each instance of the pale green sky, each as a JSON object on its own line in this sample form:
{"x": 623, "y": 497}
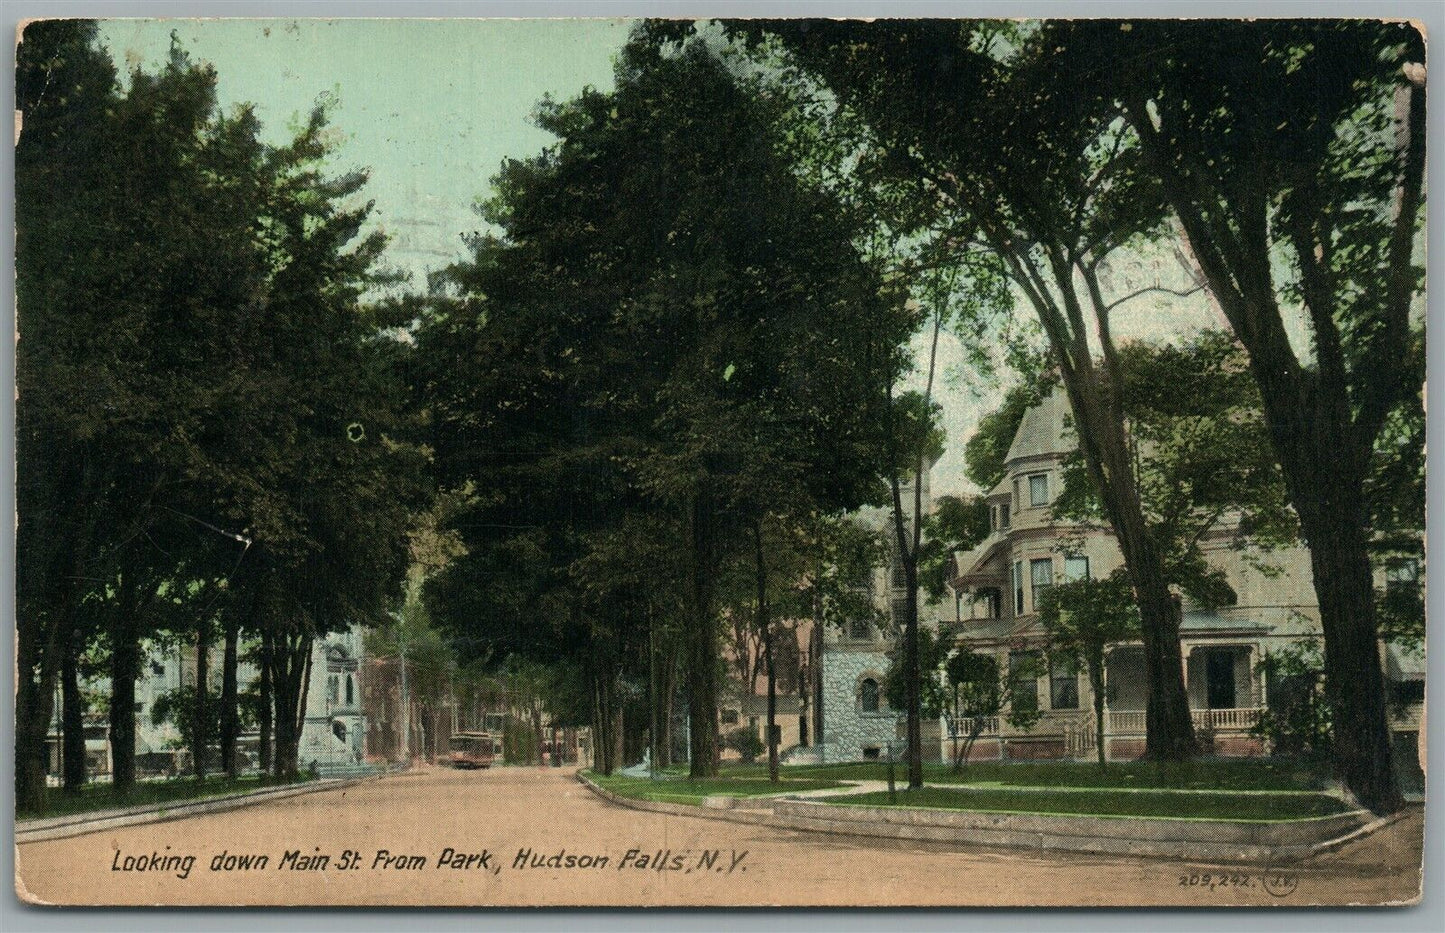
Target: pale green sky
{"x": 432, "y": 107}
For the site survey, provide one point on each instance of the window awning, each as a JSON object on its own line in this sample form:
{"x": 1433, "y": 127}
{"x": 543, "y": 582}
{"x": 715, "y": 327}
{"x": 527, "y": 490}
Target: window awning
{"x": 1404, "y": 663}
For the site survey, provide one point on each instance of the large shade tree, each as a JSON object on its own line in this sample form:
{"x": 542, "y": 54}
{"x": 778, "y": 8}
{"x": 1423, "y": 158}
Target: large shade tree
{"x": 1293, "y": 155}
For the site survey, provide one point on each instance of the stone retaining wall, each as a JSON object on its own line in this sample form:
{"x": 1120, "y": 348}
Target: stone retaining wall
{"x": 1226, "y": 840}
{"x": 1194, "y": 840}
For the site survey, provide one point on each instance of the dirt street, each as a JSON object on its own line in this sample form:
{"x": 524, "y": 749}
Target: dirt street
{"x": 516, "y": 836}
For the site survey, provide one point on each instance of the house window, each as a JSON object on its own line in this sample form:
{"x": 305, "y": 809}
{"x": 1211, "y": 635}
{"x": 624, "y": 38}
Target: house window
{"x": 1039, "y": 489}
{"x": 900, "y": 610}
{"x": 1076, "y": 568}
{"x": 1063, "y": 683}
{"x": 1018, "y": 587}
{"x": 333, "y": 690}
{"x": 730, "y": 717}
{"x": 350, "y": 690}
{"x": 1003, "y": 519}
{"x": 899, "y": 578}
{"x": 868, "y": 695}
{"x": 1402, "y": 576}
{"x": 1041, "y": 574}
{"x": 1022, "y": 667}
{"x": 860, "y": 629}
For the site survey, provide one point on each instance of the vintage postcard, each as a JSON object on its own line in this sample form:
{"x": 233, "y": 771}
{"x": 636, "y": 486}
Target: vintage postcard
{"x": 649, "y": 463}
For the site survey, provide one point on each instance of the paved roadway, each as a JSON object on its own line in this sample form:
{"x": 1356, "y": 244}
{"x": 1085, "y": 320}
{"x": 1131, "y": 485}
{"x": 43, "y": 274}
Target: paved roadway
{"x": 505, "y": 810}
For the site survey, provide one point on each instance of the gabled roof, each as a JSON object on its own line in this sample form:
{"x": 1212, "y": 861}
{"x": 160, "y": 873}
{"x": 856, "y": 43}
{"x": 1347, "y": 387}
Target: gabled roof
{"x": 970, "y": 563}
{"x": 1042, "y": 430}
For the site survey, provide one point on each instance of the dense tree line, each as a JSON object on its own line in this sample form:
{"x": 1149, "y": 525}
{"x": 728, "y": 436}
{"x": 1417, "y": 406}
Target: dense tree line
{"x": 670, "y": 352}
{"x": 211, "y": 437}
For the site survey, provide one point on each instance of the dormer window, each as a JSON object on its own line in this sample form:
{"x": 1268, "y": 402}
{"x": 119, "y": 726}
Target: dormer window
{"x": 1039, "y": 489}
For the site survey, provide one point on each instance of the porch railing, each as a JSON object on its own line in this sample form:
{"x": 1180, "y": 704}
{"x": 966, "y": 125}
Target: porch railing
{"x": 1125, "y": 722}
{"x": 1079, "y": 737}
{"x": 1216, "y": 719}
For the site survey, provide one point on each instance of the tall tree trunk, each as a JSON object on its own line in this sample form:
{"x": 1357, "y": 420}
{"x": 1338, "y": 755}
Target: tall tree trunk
{"x": 73, "y": 714}
{"x": 669, "y": 697}
{"x": 124, "y": 669}
{"x": 765, "y": 625}
{"x": 268, "y": 709}
{"x": 911, "y": 670}
{"x": 619, "y": 737}
{"x": 1096, "y": 684}
{"x": 654, "y": 696}
{"x": 703, "y": 643}
{"x": 1354, "y": 677}
{"x": 290, "y": 661}
{"x": 953, "y": 729}
{"x": 599, "y": 759}
{"x": 230, "y": 715}
{"x": 815, "y": 667}
{"x": 34, "y": 709}
{"x": 303, "y": 692}
{"x": 907, "y": 556}
{"x": 200, "y": 728}
{"x": 1169, "y": 729}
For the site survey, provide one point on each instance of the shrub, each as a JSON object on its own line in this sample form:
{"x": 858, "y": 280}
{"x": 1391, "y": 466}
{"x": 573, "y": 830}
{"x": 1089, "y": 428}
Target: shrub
{"x": 745, "y": 742}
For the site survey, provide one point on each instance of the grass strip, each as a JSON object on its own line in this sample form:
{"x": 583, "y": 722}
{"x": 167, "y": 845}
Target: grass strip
{"x": 1199, "y": 806}
{"x": 180, "y": 790}
{"x": 1238, "y": 774}
{"x": 682, "y": 790}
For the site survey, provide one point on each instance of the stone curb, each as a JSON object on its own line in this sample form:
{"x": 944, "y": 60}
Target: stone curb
{"x": 64, "y": 827}
{"x": 996, "y": 831}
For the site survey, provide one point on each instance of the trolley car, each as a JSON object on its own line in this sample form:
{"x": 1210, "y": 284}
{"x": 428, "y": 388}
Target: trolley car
{"x": 472, "y": 750}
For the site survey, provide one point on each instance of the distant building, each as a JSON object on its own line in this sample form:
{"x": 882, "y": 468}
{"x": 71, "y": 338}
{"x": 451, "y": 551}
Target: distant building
{"x": 857, "y": 722}
{"x": 333, "y": 734}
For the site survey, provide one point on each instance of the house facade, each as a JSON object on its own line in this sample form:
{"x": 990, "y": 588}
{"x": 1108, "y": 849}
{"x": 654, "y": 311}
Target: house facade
{"x": 855, "y": 721}
{"x": 333, "y": 733}
{"x": 1001, "y": 582}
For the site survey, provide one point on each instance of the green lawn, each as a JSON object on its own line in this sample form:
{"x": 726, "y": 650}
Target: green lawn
{"x": 100, "y": 796}
{"x": 683, "y": 790}
{"x": 1248, "y": 774}
{"x": 1217, "y": 806}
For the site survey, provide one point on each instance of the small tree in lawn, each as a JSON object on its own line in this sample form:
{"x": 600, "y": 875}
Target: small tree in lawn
{"x": 1082, "y": 618}
{"x": 932, "y": 698}
{"x": 979, "y": 693}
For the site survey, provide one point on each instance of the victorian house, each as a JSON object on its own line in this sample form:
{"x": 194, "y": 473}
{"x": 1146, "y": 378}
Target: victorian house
{"x": 999, "y": 585}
